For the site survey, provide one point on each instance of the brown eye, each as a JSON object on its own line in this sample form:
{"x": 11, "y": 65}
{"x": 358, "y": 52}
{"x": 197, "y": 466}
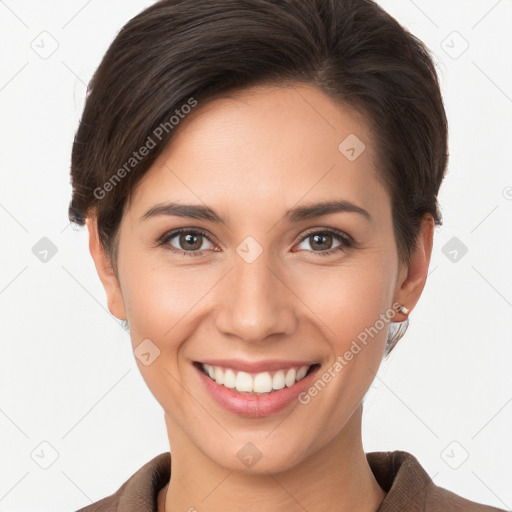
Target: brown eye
{"x": 321, "y": 242}
{"x": 190, "y": 242}
{"x": 187, "y": 242}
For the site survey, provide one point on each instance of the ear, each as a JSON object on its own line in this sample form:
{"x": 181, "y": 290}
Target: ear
{"x": 105, "y": 271}
{"x": 412, "y": 279}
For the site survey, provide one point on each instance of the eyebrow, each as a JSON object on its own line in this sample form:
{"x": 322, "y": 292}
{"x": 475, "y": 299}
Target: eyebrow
{"x": 297, "y": 214}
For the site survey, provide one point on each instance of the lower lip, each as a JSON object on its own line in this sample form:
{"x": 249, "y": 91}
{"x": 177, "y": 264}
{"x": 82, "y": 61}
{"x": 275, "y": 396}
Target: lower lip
{"x": 255, "y": 406}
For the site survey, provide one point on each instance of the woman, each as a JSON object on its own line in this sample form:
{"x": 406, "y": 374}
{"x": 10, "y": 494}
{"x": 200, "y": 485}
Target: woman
{"x": 259, "y": 180}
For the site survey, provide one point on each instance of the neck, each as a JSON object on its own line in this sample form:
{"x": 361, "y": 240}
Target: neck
{"x": 337, "y": 473}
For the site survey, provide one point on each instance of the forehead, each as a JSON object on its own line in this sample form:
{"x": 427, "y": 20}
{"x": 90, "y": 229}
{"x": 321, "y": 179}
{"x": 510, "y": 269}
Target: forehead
{"x": 264, "y": 146}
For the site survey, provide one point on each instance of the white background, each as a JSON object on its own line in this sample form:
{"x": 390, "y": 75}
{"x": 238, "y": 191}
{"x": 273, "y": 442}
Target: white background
{"x": 67, "y": 373}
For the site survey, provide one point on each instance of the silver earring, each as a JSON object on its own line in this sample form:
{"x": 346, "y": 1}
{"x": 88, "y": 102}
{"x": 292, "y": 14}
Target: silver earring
{"x": 396, "y": 332}
{"x": 403, "y": 310}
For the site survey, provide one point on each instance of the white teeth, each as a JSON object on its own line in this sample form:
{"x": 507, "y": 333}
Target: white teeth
{"x": 301, "y": 373}
{"x": 289, "y": 380}
{"x": 278, "y": 380}
{"x": 244, "y": 382}
{"x": 262, "y": 383}
{"x": 219, "y": 375}
{"x": 229, "y": 379}
{"x": 259, "y": 383}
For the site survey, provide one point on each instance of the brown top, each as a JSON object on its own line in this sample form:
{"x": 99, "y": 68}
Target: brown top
{"x": 409, "y": 487}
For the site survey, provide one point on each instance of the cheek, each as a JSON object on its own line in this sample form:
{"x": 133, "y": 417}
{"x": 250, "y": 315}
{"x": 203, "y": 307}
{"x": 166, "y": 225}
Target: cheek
{"x": 162, "y": 306}
{"x": 348, "y": 299}
{"x": 345, "y": 305}
{"x": 157, "y": 300}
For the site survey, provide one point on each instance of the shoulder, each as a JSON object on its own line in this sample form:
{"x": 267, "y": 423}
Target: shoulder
{"x": 443, "y": 500}
{"x": 139, "y": 492}
{"x": 409, "y": 487}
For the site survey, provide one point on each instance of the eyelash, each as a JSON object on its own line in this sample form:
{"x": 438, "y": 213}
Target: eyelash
{"x": 346, "y": 241}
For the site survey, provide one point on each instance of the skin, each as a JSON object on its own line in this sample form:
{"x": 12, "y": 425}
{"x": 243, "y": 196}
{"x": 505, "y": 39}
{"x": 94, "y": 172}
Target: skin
{"x": 251, "y": 157}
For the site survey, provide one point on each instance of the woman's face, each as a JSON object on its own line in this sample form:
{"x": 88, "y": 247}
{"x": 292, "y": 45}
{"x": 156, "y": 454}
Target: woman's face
{"x": 275, "y": 285}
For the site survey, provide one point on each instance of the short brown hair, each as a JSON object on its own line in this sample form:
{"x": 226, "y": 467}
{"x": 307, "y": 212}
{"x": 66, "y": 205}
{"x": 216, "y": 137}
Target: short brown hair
{"x": 172, "y": 52}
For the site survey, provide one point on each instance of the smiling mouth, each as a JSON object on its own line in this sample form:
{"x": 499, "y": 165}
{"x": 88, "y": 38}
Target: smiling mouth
{"x": 262, "y": 383}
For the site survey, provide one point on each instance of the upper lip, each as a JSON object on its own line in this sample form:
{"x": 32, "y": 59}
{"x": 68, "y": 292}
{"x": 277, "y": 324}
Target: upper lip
{"x": 267, "y": 365}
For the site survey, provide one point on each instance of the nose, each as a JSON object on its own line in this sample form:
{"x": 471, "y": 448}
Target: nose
{"x": 255, "y": 301}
